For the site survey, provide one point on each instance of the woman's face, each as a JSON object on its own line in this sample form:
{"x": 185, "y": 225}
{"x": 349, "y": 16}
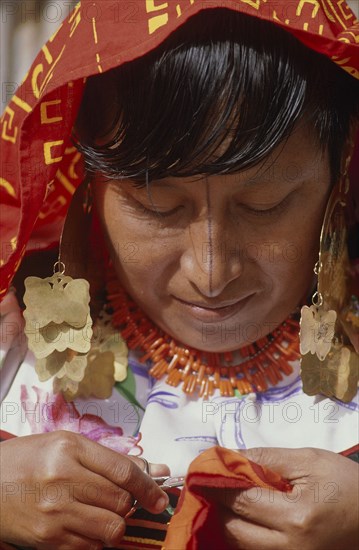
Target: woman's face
{"x": 220, "y": 261}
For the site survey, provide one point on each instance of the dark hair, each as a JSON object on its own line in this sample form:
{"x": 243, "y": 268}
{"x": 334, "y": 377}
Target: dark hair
{"x": 222, "y": 79}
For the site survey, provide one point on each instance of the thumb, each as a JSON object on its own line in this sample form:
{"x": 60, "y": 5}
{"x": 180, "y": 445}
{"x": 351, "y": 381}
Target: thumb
{"x": 289, "y": 463}
{"x": 154, "y": 470}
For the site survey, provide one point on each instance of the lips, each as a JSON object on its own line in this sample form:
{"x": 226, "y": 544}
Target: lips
{"x": 214, "y": 312}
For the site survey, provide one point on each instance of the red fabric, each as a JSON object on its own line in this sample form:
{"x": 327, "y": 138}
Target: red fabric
{"x": 350, "y": 451}
{"x": 196, "y": 523}
{"x": 40, "y": 168}
{"x": 6, "y": 435}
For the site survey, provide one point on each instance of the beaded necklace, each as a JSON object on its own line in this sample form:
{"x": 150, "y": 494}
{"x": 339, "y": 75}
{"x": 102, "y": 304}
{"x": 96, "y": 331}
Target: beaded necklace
{"x": 202, "y": 372}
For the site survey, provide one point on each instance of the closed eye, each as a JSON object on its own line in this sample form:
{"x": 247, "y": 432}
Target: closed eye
{"x": 159, "y": 213}
{"x": 276, "y": 209}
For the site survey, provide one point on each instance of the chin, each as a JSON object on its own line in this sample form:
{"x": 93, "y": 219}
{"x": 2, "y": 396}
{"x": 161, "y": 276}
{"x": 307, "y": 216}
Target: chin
{"x": 214, "y": 338}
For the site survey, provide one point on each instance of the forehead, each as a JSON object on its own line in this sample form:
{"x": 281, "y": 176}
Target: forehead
{"x": 298, "y": 158}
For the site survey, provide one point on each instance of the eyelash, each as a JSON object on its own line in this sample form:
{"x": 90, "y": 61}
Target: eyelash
{"x": 268, "y": 212}
{"x": 157, "y": 214}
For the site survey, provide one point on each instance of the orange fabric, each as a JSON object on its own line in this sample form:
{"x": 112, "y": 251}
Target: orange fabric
{"x": 196, "y": 523}
{"x": 40, "y": 168}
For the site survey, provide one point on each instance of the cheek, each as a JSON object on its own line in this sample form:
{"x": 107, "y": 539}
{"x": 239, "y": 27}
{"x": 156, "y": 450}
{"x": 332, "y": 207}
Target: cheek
{"x": 289, "y": 256}
{"x": 139, "y": 253}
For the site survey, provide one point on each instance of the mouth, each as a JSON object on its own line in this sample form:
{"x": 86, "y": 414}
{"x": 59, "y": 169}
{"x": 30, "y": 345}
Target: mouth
{"x": 214, "y": 312}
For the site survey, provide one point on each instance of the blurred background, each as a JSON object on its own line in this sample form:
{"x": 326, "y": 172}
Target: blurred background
{"x": 25, "y": 26}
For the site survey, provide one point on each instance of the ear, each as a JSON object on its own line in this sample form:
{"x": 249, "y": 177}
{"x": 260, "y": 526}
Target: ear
{"x": 350, "y": 164}
{"x": 82, "y": 247}
{"x": 350, "y": 147}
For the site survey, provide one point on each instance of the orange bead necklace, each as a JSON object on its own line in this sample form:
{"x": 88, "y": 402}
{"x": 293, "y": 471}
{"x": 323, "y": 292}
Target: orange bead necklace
{"x": 200, "y": 372}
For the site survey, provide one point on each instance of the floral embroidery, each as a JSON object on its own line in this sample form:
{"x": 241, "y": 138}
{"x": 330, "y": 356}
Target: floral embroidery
{"x": 53, "y": 413}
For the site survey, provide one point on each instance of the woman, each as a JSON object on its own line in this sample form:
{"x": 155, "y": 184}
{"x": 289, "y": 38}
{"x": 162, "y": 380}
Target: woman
{"x": 211, "y": 159}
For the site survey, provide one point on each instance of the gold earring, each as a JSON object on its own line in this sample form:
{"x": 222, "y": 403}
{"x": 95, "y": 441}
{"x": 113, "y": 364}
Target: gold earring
{"x": 329, "y": 363}
{"x": 58, "y": 323}
{"x": 81, "y": 359}
{"x": 58, "y": 326}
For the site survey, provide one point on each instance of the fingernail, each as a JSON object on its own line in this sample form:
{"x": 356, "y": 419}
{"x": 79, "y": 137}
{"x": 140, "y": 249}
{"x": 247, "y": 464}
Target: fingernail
{"x": 162, "y": 503}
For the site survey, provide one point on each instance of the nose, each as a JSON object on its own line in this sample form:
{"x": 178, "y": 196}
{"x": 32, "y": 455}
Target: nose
{"x": 212, "y": 258}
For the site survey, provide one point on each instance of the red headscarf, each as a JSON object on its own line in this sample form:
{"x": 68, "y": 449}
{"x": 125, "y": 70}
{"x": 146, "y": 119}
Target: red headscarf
{"x": 40, "y": 168}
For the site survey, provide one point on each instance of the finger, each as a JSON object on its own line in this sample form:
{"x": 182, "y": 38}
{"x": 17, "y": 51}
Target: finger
{"x": 76, "y": 543}
{"x": 154, "y": 470}
{"x": 122, "y": 471}
{"x": 245, "y": 535}
{"x": 159, "y": 470}
{"x": 102, "y": 493}
{"x": 73, "y": 541}
{"x": 290, "y": 463}
{"x": 96, "y": 524}
{"x": 266, "y": 507}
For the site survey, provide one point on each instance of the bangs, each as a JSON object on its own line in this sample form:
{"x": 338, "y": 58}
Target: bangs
{"x": 216, "y": 97}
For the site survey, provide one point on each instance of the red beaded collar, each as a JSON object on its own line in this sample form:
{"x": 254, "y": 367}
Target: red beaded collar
{"x": 202, "y": 372}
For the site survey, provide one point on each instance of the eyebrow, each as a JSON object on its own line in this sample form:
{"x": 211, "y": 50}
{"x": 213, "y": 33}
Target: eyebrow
{"x": 259, "y": 179}
{"x": 262, "y": 182}
{"x": 284, "y": 177}
{"x": 284, "y": 174}
{"x": 162, "y": 183}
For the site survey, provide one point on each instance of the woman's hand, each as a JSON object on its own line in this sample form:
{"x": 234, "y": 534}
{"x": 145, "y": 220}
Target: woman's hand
{"x": 62, "y": 491}
{"x": 321, "y": 513}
